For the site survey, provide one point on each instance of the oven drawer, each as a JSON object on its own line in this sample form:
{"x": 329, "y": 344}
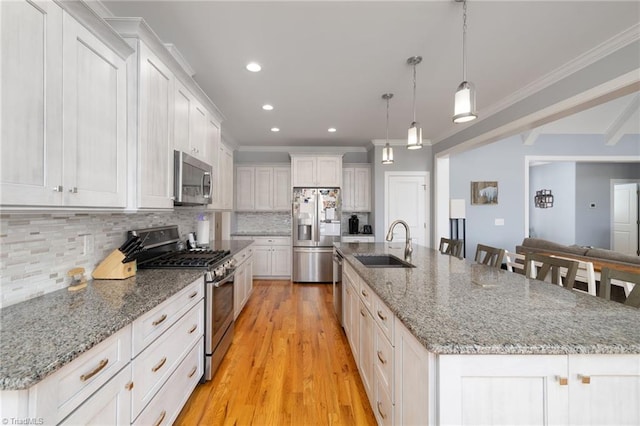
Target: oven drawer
{"x": 151, "y": 325}
{"x": 156, "y": 363}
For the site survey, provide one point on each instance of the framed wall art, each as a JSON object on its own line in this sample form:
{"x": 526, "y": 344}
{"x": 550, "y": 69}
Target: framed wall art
{"x": 485, "y": 192}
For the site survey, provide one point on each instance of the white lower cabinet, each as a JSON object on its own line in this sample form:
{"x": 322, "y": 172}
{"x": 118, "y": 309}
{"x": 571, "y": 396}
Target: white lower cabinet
{"x": 367, "y": 347}
{"x": 166, "y": 405}
{"x": 243, "y": 280}
{"x": 113, "y": 384}
{"x": 271, "y": 256}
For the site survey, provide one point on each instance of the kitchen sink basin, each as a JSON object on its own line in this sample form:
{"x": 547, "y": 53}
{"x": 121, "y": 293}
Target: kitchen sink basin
{"x": 382, "y": 261}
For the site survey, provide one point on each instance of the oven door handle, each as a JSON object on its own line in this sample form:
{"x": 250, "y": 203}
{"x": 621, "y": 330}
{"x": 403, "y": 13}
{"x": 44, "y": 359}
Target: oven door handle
{"x": 226, "y": 280}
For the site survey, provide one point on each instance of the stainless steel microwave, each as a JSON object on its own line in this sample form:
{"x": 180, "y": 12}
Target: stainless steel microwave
{"x": 193, "y": 184}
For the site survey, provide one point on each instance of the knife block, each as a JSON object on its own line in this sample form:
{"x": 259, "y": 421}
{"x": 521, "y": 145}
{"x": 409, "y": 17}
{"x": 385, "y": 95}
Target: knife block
{"x": 112, "y": 268}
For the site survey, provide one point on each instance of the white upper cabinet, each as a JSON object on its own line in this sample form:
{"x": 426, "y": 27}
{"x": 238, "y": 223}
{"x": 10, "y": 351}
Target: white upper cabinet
{"x": 356, "y": 188}
{"x": 192, "y": 133}
{"x": 316, "y": 171}
{"x": 263, "y": 188}
{"x": 61, "y": 79}
{"x": 155, "y": 141}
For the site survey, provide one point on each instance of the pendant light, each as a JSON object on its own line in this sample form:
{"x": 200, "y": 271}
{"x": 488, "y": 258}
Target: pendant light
{"x": 465, "y": 100}
{"x": 414, "y": 138}
{"x": 387, "y": 151}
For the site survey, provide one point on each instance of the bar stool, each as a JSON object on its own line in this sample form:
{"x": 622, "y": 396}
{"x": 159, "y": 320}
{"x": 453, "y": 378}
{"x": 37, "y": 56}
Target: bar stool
{"x": 515, "y": 262}
{"x": 487, "y": 255}
{"x": 553, "y": 265}
{"x": 607, "y": 274}
{"x": 451, "y": 247}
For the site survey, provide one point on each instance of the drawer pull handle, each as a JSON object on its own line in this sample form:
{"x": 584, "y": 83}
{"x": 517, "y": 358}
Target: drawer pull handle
{"x": 365, "y": 294}
{"x": 382, "y": 360}
{"x": 382, "y": 317}
{"x": 95, "y": 371}
{"x": 384, "y": 416}
{"x": 584, "y": 379}
{"x": 161, "y": 418}
{"x": 192, "y": 295}
{"x": 159, "y": 365}
{"x": 193, "y": 372}
{"x": 129, "y": 386}
{"x": 158, "y": 321}
{"x": 562, "y": 380}
{"x": 362, "y": 312}
{"x": 193, "y": 328}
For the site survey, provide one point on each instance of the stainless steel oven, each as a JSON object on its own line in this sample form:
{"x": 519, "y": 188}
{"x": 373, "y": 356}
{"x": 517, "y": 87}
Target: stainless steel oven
{"x": 218, "y": 321}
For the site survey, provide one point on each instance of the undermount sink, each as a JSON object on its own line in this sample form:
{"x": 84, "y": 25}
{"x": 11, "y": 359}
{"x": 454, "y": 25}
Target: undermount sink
{"x": 382, "y": 261}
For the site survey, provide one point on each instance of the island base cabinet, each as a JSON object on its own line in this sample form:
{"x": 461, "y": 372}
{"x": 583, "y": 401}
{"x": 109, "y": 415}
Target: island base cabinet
{"x": 604, "y": 389}
{"x": 503, "y": 389}
{"x": 414, "y": 380}
{"x": 110, "y": 406}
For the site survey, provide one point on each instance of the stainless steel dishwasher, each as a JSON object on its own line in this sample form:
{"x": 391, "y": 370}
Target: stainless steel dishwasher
{"x": 337, "y": 284}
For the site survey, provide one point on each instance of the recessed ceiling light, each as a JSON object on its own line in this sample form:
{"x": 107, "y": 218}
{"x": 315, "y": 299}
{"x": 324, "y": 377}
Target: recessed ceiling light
{"x": 253, "y": 67}
{"x": 331, "y": 130}
{"x": 275, "y": 129}
{"x": 267, "y": 107}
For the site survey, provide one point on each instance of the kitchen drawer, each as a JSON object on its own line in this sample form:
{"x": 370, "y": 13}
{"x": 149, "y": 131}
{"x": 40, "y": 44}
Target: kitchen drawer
{"x": 383, "y": 362}
{"x": 384, "y": 318}
{"x": 156, "y": 363}
{"x": 243, "y": 256}
{"x": 168, "y": 402}
{"x": 357, "y": 239}
{"x": 110, "y": 405}
{"x": 383, "y": 408}
{"x": 351, "y": 274}
{"x": 366, "y": 294}
{"x": 62, "y": 392}
{"x": 272, "y": 241}
{"x": 151, "y": 325}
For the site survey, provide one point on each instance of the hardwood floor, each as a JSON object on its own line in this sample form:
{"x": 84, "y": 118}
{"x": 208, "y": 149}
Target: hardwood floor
{"x": 289, "y": 364}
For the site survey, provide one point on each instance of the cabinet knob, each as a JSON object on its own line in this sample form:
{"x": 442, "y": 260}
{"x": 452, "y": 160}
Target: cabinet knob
{"x": 129, "y": 386}
{"x": 74, "y": 190}
{"x": 57, "y": 188}
{"x": 562, "y": 380}
{"x": 584, "y": 379}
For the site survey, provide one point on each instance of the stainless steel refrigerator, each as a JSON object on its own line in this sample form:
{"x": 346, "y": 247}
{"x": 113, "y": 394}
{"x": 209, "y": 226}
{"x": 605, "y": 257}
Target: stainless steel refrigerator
{"x": 316, "y": 226}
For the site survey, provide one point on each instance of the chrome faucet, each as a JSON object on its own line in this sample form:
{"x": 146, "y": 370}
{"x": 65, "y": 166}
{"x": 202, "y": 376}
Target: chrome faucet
{"x": 408, "y": 249}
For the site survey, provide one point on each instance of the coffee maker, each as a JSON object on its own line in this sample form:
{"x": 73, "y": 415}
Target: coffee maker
{"x": 354, "y": 223}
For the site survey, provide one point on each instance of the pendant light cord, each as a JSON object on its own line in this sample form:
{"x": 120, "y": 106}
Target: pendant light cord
{"x": 464, "y": 40}
{"x": 414, "y": 93}
{"x": 387, "y": 121}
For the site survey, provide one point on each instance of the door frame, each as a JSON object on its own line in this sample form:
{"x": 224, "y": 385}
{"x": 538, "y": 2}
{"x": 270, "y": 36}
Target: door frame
{"x": 427, "y": 200}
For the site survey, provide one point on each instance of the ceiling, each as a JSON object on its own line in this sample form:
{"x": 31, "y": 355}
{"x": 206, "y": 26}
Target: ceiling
{"x": 327, "y": 63}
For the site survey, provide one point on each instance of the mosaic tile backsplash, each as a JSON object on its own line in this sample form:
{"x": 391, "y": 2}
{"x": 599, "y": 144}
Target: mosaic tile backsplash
{"x": 37, "y": 249}
{"x": 263, "y": 222}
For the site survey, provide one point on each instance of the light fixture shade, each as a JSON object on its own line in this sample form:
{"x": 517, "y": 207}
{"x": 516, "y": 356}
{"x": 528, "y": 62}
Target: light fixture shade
{"x": 414, "y": 137}
{"x": 457, "y": 209}
{"x": 387, "y": 154}
{"x": 465, "y": 103}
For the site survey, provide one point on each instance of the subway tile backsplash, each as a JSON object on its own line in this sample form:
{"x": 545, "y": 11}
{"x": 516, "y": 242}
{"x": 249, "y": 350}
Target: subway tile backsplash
{"x": 37, "y": 249}
{"x": 263, "y": 221}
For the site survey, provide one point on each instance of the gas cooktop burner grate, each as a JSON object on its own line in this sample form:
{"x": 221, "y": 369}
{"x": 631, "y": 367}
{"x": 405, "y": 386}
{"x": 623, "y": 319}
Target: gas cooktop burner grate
{"x": 187, "y": 259}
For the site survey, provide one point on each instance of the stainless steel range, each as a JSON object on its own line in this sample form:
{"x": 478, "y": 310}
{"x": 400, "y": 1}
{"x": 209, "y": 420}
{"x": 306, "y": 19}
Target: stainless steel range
{"x": 163, "y": 249}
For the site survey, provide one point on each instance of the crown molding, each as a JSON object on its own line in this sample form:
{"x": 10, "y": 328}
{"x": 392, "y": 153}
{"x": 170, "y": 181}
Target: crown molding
{"x": 397, "y": 142}
{"x": 620, "y": 40}
{"x": 303, "y": 149}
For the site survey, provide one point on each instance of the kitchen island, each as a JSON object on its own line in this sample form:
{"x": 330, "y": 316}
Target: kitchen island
{"x": 470, "y": 340}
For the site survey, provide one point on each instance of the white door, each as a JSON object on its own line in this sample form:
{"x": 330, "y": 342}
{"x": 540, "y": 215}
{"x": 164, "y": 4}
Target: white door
{"x": 624, "y": 231}
{"x": 406, "y": 196}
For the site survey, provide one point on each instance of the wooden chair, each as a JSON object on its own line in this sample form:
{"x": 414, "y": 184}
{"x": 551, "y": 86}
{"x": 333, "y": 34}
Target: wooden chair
{"x": 451, "y": 247}
{"x": 547, "y": 264}
{"x": 515, "y": 262}
{"x": 607, "y": 274}
{"x": 585, "y": 274}
{"x": 487, "y": 255}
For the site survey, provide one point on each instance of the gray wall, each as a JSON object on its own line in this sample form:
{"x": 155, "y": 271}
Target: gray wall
{"x": 404, "y": 160}
{"x": 503, "y": 161}
{"x": 558, "y": 222}
{"x": 593, "y": 185}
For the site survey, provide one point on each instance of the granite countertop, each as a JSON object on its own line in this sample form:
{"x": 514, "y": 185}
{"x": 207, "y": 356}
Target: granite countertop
{"x": 283, "y": 233}
{"x": 41, "y": 335}
{"x": 454, "y": 306}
